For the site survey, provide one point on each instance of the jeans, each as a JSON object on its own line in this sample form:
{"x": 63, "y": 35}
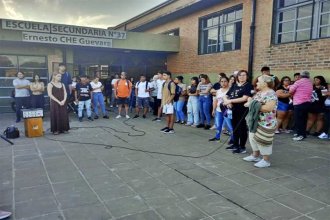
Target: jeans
{"x": 240, "y": 126}
{"x": 98, "y": 98}
{"x": 81, "y": 104}
{"x": 178, "y": 107}
{"x": 300, "y": 118}
{"x": 205, "y": 102}
{"x": 193, "y": 110}
{"x": 20, "y": 103}
{"x": 221, "y": 120}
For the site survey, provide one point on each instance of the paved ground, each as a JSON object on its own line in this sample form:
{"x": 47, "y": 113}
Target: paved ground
{"x": 52, "y": 180}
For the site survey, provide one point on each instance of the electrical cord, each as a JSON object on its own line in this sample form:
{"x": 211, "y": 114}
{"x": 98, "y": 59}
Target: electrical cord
{"x": 142, "y": 133}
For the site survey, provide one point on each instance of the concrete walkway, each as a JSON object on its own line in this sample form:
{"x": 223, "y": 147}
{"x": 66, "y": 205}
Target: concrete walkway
{"x": 52, "y": 180}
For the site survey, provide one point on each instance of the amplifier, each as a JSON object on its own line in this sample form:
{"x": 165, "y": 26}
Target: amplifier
{"x": 33, "y": 113}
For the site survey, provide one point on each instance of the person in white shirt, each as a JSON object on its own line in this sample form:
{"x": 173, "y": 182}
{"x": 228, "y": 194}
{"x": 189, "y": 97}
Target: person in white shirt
{"x": 22, "y": 94}
{"x": 142, "y": 91}
{"x": 153, "y": 94}
{"x": 113, "y": 82}
{"x": 98, "y": 98}
{"x": 159, "y": 84}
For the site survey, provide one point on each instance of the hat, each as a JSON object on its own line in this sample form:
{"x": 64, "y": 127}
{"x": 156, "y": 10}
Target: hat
{"x": 305, "y": 74}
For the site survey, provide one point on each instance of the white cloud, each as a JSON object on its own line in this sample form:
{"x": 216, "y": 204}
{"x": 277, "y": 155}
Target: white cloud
{"x": 100, "y": 21}
{"x": 10, "y": 11}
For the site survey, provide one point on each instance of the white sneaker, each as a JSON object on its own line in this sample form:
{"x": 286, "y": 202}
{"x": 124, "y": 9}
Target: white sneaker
{"x": 127, "y": 116}
{"x": 4, "y": 214}
{"x": 213, "y": 127}
{"x": 277, "y": 132}
{"x": 118, "y": 116}
{"x": 298, "y": 138}
{"x": 252, "y": 158}
{"x": 262, "y": 164}
{"x": 323, "y": 136}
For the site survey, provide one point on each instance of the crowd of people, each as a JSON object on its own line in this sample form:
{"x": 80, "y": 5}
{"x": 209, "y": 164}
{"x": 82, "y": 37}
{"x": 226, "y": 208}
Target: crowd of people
{"x": 244, "y": 110}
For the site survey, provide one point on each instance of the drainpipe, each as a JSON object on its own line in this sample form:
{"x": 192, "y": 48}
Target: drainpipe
{"x": 251, "y": 46}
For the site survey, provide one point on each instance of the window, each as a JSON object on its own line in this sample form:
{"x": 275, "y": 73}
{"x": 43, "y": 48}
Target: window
{"x": 10, "y": 65}
{"x": 298, "y": 20}
{"x": 221, "y": 31}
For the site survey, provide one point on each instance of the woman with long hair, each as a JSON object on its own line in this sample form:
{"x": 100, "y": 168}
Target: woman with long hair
{"x": 205, "y": 102}
{"x": 220, "y": 110}
{"x": 283, "y": 95}
{"x": 317, "y": 108}
{"x": 179, "y": 104}
{"x": 192, "y": 105}
{"x": 59, "y": 119}
{"x": 237, "y": 95}
{"x": 37, "y": 88}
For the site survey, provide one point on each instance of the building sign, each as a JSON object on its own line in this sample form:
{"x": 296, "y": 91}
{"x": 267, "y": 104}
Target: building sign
{"x": 66, "y": 39}
{"x": 62, "y": 29}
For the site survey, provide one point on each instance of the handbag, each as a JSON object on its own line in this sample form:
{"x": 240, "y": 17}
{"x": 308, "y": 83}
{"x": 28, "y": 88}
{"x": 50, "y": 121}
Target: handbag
{"x": 264, "y": 136}
{"x": 11, "y": 132}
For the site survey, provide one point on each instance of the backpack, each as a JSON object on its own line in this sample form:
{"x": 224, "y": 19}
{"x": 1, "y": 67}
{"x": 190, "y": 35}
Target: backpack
{"x": 137, "y": 84}
{"x": 178, "y": 90}
{"x": 11, "y": 132}
{"x": 127, "y": 82}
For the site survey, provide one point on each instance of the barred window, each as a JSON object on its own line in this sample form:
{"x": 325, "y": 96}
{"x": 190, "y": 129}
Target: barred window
{"x": 221, "y": 31}
{"x": 299, "y": 20}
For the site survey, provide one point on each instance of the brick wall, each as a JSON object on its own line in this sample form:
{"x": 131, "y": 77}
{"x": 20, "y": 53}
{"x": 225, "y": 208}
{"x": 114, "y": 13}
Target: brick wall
{"x": 284, "y": 59}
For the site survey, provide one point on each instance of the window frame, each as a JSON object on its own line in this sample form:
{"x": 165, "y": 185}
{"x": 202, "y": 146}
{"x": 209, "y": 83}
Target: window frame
{"x": 315, "y": 29}
{"x": 203, "y": 46}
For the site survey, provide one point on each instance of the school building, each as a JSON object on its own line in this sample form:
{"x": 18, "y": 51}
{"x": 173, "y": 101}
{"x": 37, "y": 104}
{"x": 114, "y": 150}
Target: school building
{"x": 187, "y": 37}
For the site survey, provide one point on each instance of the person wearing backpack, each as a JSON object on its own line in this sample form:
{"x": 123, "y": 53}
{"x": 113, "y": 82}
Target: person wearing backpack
{"x": 205, "y": 102}
{"x": 123, "y": 89}
{"x": 142, "y": 91}
{"x": 179, "y": 99}
{"x": 168, "y": 93}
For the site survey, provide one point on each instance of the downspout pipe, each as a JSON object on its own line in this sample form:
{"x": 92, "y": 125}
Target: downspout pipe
{"x": 251, "y": 45}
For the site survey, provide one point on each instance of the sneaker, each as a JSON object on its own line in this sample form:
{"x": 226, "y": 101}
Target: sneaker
{"x": 277, "y": 132}
{"x": 207, "y": 127}
{"x": 106, "y": 117}
{"x": 80, "y": 119}
{"x": 262, "y": 164}
{"x": 163, "y": 129}
{"x": 118, "y": 116}
{"x": 252, "y": 158}
{"x": 226, "y": 132}
{"x": 155, "y": 119}
{"x": 232, "y": 147}
{"x": 136, "y": 116}
{"x": 298, "y": 138}
{"x": 240, "y": 150}
{"x": 323, "y": 136}
{"x": 200, "y": 126}
{"x": 178, "y": 121}
{"x": 144, "y": 116}
{"x": 194, "y": 126}
{"x": 182, "y": 122}
{"x": 158, "y": 119}
{"x": 169, "y": 131}
{"x": 188, "y": 124}
{"x": 127, "y": 116}
{"x": 213, "y": 127}
{"x": 96, "y": 117}
{"x": 90, "y": 119}
{"x": 214, "y": 139}
{"x": 4, "y": 214}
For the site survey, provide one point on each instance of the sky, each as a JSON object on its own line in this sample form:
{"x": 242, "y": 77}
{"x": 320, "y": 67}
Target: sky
{"x": 91, "y": 13}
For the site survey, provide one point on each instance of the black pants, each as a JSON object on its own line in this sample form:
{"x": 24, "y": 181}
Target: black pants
{"x": 157, "y": 103}
{"x": 37, "y": 101}
{"x": 20, "y": 103}
{"x": 300, "y": 118}
{"x": 240, "y": 126}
